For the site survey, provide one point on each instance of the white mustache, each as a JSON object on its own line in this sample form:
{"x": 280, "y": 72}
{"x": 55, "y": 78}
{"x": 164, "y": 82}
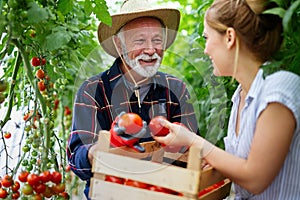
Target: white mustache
{"x": 147, "y": 57}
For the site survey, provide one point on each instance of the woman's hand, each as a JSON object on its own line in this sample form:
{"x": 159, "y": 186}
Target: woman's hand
{"x": 178, "y": 136}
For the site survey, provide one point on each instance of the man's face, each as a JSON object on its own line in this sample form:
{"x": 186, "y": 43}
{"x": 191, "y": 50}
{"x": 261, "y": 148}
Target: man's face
{"x": 142, "y": 43}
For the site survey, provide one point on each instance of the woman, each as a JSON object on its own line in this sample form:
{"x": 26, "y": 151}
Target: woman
{"x": 262, "y": 155}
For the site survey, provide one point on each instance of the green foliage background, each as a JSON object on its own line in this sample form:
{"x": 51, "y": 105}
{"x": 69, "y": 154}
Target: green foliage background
{"x": 64, "y": 32}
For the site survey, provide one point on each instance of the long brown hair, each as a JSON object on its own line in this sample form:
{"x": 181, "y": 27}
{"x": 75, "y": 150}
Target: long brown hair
{"x": 260, "y": 33}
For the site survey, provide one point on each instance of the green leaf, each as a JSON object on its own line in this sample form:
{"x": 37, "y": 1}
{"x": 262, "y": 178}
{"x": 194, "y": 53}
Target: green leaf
{"x": 57, "y": 40}
{"x": 36, "y": 14}
{"x": 101, "y": 12}
{"x": 65, "y": 6}
{"x": 288, "y": 15}
{"x": 88, "y": 7}
{"x": 275, "y": 11}
{"x": 280, "y": 3}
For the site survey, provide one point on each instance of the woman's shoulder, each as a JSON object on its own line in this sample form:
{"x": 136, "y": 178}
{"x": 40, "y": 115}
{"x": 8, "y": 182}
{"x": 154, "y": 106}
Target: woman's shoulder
{"x": 283, "y": 80}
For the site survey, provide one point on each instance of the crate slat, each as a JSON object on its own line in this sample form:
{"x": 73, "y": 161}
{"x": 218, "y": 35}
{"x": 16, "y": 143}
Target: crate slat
{"x": 173, "y": 177}
{"x": 113, "y": 191}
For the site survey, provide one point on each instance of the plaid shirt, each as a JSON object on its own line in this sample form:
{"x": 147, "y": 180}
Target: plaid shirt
{"x": 101, "y": 98}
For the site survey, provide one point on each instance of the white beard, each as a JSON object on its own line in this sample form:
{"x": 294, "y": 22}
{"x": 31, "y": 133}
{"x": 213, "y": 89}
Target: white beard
{"x": 147, "y": 71}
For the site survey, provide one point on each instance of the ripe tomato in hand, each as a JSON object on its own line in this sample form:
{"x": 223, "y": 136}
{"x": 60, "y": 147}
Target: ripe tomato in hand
{"x": 131, "y": 122}
{"x": 156, "y": 128}
{"x": 35, "y": 61}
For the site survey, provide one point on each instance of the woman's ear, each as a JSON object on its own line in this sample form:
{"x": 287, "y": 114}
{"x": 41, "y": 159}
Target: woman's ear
{"x": 230, "y": 37}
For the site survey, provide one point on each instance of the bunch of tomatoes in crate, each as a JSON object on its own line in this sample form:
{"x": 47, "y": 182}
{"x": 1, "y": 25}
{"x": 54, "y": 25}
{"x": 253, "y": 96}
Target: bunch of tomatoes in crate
{"x": 34, "y": 186}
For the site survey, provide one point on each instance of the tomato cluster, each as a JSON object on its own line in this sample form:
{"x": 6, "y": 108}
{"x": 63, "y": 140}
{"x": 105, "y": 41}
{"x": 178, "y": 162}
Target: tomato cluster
{"x": 36, "y": 61}
{"x": 46, "y": 184}
{"x": 138, "y": 184}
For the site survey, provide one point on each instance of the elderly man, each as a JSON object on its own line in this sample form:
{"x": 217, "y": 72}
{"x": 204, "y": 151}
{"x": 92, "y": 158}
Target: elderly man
{"x": 137, "y": 39}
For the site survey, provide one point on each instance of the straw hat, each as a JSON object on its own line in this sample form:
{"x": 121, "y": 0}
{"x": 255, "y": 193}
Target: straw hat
{"x": 132, "y": 9}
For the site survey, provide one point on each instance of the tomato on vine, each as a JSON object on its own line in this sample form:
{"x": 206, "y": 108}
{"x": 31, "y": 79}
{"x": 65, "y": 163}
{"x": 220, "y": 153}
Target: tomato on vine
{"x": 56, "y": 177}
{"x": 3, "y": 193}
{"x": 41, "y": 86}
{"x": 35, "y": 61}
{"x": 23, "y": 176}
{"x": 16, "y": 186}
{"x": 15, "y": 195}
{"x": 33, "y": 179}
{"x": 27, "y": 189}
{"x": 7, "y": 181}
{"x": 7, "y": 135}
{"x": 40, "y": 74}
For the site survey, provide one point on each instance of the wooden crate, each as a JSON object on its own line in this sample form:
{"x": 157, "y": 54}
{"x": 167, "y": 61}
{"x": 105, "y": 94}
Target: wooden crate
{"x": 125, "y": 163}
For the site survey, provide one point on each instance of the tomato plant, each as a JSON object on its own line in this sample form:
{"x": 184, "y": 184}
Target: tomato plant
{"x": 156, "y": 128}
{"x": 130, "y": 122}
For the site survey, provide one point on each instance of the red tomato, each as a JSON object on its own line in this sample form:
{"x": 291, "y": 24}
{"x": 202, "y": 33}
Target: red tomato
{"x": 23, "y": 176}
{"x": 33, "y": 179}
{"x": 137, "y": 184}
{"x": 161, "y": 189}
{"x": 39, "y": 188}
{"x": 3, "y": 193}
{"x": 114, "y": 179}
{"x": 131, "y": 122}
{"x": 156, "y": 128}
{"x": 41, "y": 86}
{"x": 56, "y": 177}
{"x": 35, "y": 61}
{"x": 16, "y": 186}
{"x": 40, "y": 74}
{"x": 7, "y": 135}
{"x": 45, "y": 176}
{"x": 205, "y": 191}
{"x": 15, "y": 195}
{"x": 44, "y": 61}
{"x": 7, "y": 181}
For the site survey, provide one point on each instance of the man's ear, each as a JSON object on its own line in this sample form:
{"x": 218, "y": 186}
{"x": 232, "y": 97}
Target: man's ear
{"x": 230, "y": 37}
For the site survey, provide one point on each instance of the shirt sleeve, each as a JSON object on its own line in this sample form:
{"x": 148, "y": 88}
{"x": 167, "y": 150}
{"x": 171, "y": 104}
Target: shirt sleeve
{"x": 283, "y": 87}
{"x": 84, "y": 129}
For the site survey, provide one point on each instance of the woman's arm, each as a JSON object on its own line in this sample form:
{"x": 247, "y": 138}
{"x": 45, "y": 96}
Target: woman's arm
{"x": 270, "y": 145}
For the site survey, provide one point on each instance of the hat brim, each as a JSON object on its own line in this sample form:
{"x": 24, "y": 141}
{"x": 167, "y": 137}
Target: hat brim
{"x": 169, "y": 17}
